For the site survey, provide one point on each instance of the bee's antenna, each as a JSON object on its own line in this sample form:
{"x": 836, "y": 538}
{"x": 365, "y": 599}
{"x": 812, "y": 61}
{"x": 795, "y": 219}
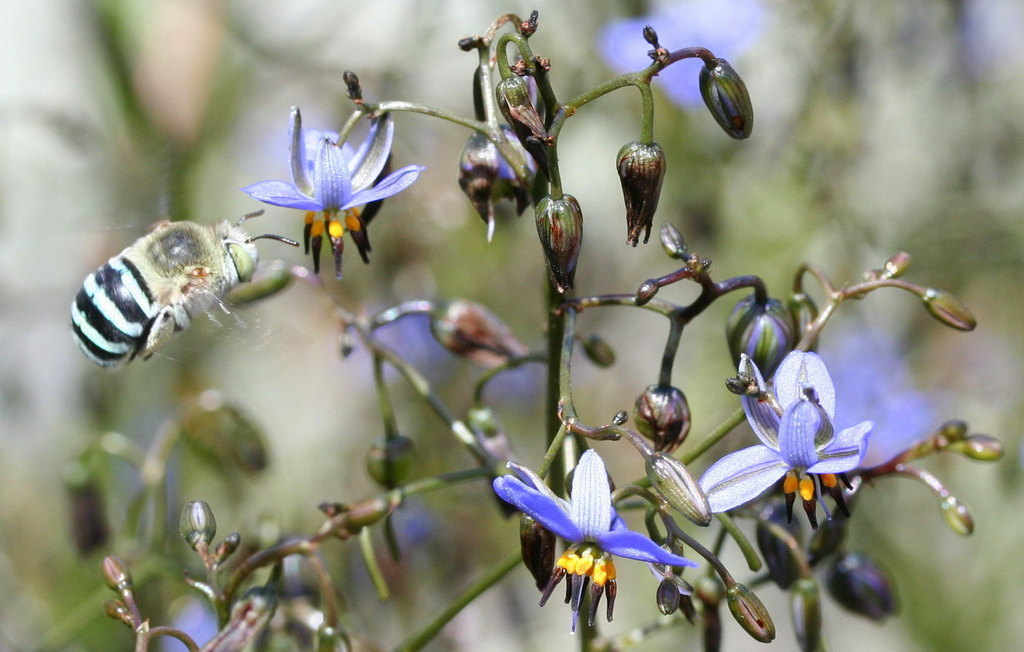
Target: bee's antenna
{"x": 273, "y": 236}
{"x": 249, "y": 216}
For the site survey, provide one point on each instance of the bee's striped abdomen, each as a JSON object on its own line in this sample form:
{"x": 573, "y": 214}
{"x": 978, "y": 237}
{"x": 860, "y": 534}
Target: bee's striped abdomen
{"x": 112, "y": 313}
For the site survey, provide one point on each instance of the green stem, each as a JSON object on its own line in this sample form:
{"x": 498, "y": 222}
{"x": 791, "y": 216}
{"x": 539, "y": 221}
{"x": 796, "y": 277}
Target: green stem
{"x": 497, "y": 572}
{"x": 646, "y": 114}
{"x": 753, "y": 560}
{"x": 735, "y": 419}
{"x": 560, "y": 328}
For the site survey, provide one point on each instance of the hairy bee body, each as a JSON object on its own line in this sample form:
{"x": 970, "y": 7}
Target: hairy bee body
{"x": 135, "y": 303}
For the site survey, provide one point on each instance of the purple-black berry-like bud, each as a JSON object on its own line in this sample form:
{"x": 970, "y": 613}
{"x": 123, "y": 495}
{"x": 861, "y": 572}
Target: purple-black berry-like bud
{"x": 662, "y": 414}
{"x": 805, "y": 606}
{"x": 538, "y": 548}
{"x": 727, "y": 98}
{"x": 560, "y": 227}
{"x": 470, "y": 330}
{"x": 862, "y": 586}
{"x": 486, "y": 177}
{"x": 778, "y": 555}
{"x": 764, "y": 331}
{"x": 641, "y": 168}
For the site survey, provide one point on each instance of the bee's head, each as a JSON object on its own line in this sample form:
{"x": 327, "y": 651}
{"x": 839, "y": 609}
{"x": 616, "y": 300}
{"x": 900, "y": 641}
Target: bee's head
{"x": 243, "y": 252}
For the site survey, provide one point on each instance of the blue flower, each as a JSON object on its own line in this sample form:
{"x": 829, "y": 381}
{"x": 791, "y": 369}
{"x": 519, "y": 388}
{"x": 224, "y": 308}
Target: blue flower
{"x": 332, "y": 178}
{"x": 800, "y": 441}
{"x": 590, "y": 522}
{"x": 725, "y": 28}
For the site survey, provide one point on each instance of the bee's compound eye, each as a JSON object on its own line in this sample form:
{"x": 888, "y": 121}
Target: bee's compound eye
{"x": 245, "y": 265}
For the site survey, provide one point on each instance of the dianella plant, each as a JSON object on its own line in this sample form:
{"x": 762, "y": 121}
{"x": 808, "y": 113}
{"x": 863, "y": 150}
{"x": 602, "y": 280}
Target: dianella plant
{"x": 716, "y": 518}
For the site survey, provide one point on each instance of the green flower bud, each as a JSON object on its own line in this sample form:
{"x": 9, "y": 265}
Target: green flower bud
{"x": 662, "y": 414}
{"x": 116, "y": 574}
{"x": 948, "y": 309}
{"x": 598, "y": 351}
{"x": 274, "y": 277}
{"x": 560, "y": 227}
{"x": 389, "y": 460}
{"x": 750, "y": 613}
{"x": 197, "y": 525}
{"x": 674, "y": 482}
{"x": 538, "y": 547}
{"x": 953, "y": 430}
{"x": 223, "y": 434}
{"x": 726, "y": 97}
{"x": 779, "y": 557}
{"x": 672, "y": 242}
{"x": 983, "y": 448}
{"x": 764, "y": 331}
{"x": 118, "y": 611}
{"x": 641, "y": 168}
{"x": 228, "y": 546}
{"x": 470, "y": 330}
{"x": 860, "y": 585}
{"x": 516, "y": 104}
{"x": 897, "y": 265}
{"x": 958, "y": 516}
{"x": 805, "y": 606}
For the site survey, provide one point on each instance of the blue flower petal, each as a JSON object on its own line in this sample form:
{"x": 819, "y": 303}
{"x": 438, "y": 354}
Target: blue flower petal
{"x": 633, "y": 545}
{"x": 281, "y": 193}
{"x": 300, "y": 163}
{"x": 368, "y": 161}
{"x": 845, "y": 452}
{"x": 534, "y": 481}
{"x": 760, "y": 414}
{"x": 332, "y": 185}
{"x": 741, "y": 476}
{"x": 390, "y": 185}
{"x": 547, "y": 512}
{"x": 798, "y": 433}
{"x": 590, "y": 505}
{"x": 801, "y": 369}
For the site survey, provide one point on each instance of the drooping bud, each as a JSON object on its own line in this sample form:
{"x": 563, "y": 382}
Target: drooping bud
{"x": 777, "y": 552}
{"x": 984, "y": 448}
{"x": 486, "y": 177}
{"x": 674, "y": 482}
{"x": 470, "y": 330}
{"x": 389, "y": 460}
{"x": 805, "y": 606}
{"x": 662, "y": 414}
{"x": 598, "y": 350}
{"x": 560, "y": 227}
{"x": 516, "y": 104}
{"x": 116, "y": 574}
{"x": 667, "y": 597}
{"x": 490, "y": 433}
{"x": 727, "y": 98}
{"x": 538, "y": 548}
{"x": 273, "y": 278}
{"x": 826, "y": 539}
{"x": 750, "y": 613}
{"x": 89, "y": 527}
{"x": 197, "y": 525}
{"x": 641, "y": 168}
{"x": 859, "y": 584}
{"x": 672, "y": 242}
{"x": 958, "y": 516}
{"x": 221, "y": 432}
{"x": 948, "y": 309}
{"x": 764, "y": 331}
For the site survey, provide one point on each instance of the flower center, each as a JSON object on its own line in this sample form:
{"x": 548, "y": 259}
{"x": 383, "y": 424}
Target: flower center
{"x": 585, "y": 564}
{"x": 797, "y": 482}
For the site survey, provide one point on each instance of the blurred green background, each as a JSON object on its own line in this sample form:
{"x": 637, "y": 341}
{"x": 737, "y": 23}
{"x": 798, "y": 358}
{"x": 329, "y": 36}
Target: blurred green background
{"x": 879, "y": 127}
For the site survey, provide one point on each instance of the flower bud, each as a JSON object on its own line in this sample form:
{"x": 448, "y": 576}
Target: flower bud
{"x": 516, "y": 104}
{"x": 805, "y": 606}
{"x": 538, "y": 547}
{"x": 223, "y": 434}
{"x": 486, "y": 177}
{"x": 953, "y": 430}
{"x": 857, "y": 583}
{"x": 674, "y": 482}
{"x": 598, "y": 351}
{"x": 778, "y": 555}
{"x": 197, "y": 524}
{"x": 118, "y": 611}
{"x": 948, "y": 309}
{"x": 490, "y": 433}
{"x": 89, "y": 527}
{"x": 274, "y": 277}
{"x": 897, "y": 265}
{"x": 672, "y": 242}
{"x": 249, "y": 616}
{"x": 389, "y": 460}
{"x": 726, "y": 97}
{"x": 826, "y": 539}
{"x": 983, "y": 448}
{"x": 764, "y": 331}
{"x": 560, "y": 227}
{"x": 667, "y": 597}
{"x": 958, "y": 516}
{"x": 662, "y": 414}
{"x": 228, "y": 546}
{"x": 116, "y": 574}
{"x": 470, "y": 330}
{"x": 750, "y": 613}
{"x": 641, "y": 169}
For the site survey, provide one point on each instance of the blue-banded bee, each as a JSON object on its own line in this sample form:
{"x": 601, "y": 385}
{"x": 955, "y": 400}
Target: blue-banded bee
{"x": 135, "y": 303}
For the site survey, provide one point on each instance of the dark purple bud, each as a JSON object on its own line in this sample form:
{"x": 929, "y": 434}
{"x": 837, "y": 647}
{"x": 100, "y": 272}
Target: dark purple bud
{"x": 726, "y": 97}
{"x": 560, "y": 227}
{"x": 197, "y": 525}
{"x": 948, "y": 309}
{"x": 662, "y": 414}
{"x": 89, "y": 527}
{"x": 516, "y": 104}
{"x": 826, "y": 539}
{"x": 668, "y": 597}
{"x": 805, "y": 606}
{"x": 859, "y": 584}
{"x": 486, "y": 177}
{"x": 389, "y": 460}
{"x": 764, "y": 331}
{"x": 470, "y": 330}
{"x": 641, "y": 168}
{"x": 778, "y": 552}
{"x": 538, "y": 548}
{"x": 750, "y": 613}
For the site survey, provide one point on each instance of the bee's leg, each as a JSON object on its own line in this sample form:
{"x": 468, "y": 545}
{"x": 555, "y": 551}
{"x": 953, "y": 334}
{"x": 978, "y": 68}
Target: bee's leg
{"x": 160, "y": 333}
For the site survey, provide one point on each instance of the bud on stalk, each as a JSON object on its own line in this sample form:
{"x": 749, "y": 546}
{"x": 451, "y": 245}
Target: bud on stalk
{"x": 515, "y": 103}
{"x": 470, "y": 330}
{"x": 764, "y": 331}
{"x": 726, "y": 97}
{"x": 197, "y": 524}
{"x": 673, "y": 482}
{"x": 641, "y": 168}
{"x": 750, "y": 613}
{"x": 663, "y": 416}
{"x": 860, "y": 585}
{"x": 560, "y": 227}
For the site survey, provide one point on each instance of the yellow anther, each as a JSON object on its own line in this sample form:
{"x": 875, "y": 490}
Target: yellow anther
{"x": 335, "y": 229}
{"x": 309, "y": 217}
{"x": 567, "y": 561}
{"x": 600, "y": 573}
{"x": 807, "y": 488}
{"x": 790, "y": 483}
{"x": 317, "y": 229}
{"x": 829, "y": 479}
{"x": 352, "y": 220}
